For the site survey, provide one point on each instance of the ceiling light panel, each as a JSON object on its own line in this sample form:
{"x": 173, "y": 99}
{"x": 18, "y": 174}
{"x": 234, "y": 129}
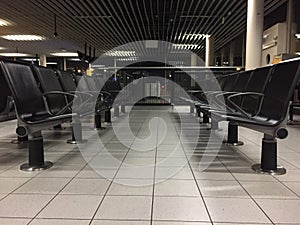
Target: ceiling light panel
{"x": 23, "y": 37}
{"x": 5, "y": 23}
{"x": 121, "y": 53}
{"x": 14, "y": 54}
{"x": 65, "y": 54}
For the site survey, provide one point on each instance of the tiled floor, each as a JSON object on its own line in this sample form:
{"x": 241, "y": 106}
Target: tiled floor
{"x": 161, "y": 186}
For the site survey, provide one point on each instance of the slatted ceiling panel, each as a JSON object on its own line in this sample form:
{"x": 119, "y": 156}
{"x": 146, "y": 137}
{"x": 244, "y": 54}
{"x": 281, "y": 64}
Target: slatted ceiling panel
{"x": 108, "y": 24}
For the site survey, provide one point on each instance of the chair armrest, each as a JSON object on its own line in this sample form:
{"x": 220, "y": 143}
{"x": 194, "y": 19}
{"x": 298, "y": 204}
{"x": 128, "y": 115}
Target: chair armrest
{"x": 65, "y": 108}
{"x": 246, "y": 94}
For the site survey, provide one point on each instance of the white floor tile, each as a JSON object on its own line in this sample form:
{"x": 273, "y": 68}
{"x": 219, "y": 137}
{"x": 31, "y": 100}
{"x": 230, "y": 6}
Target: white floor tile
{"x": 177, "y": 188}
{"x": 294, "y": 186}
{"x": 253, "y": 177}
{"x": 119, "y": 188}
{"x": 179, "y": 223}
{"x": 119, "y": 222}
{"x": 281, "y": 211}
{"x": 59, "y": 222}
{"x": 60, "y": 171}
{"x": 178, "y": 208}
{"x": 19, "y": 205}
{"x": 125, "y": 208}
{"x": 17, "y": 173}
{"x": 5, "y": 221}
{"x": 291, "y": 175}
{"x": 203, "y": 175}
{"x": 234, "y": 210}
{"x": 71, "y": 207}
{"x": 86, "y": 186}
{"x": 43, "y": 186}
{"x": 268, "y": 190}
{"x": 10, "y": 184}
{"x": 213, "y": 188}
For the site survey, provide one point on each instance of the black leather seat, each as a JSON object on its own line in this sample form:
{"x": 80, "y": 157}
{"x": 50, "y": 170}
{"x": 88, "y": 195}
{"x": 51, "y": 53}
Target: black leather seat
{"x": 32, "y": 111}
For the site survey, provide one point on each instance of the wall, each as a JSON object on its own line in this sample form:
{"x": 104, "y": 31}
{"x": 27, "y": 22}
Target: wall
{"x": 274, "y": 42}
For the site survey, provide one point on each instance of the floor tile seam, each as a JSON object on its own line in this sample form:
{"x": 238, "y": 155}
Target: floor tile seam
{"x": 253, "y": 200}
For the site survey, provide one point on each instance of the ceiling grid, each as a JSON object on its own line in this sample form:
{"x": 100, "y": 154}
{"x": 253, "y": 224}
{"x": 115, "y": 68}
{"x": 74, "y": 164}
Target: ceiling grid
{"x": 108, "y": 24}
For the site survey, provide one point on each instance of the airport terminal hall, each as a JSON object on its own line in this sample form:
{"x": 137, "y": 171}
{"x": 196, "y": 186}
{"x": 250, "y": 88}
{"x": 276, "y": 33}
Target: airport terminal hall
{"x": 149, "y": 112}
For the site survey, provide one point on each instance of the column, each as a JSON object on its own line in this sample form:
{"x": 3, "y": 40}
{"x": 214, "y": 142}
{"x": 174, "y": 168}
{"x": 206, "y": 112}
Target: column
{"x": 193, "y": 64}
{"x": 65, "y": 64}
{"x": 291, "y": 27}
{"x": 209, "y": 51}
{"x": 222, "y": 56}
{"x": 43, "y": 60}
{"x": 231, "y": 53}
{"x": 115, "y": 66}
{"x": 255, "y": 24}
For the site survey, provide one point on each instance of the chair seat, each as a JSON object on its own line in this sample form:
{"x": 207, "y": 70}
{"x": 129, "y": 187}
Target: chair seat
{"x": 46, "y": 118}
{"x": 255, "y": 120}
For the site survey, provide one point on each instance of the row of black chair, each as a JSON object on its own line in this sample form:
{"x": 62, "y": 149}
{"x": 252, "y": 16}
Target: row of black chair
{"x": 7, "y": 111}
{"x": 258, "y": 99}
{"x": 45, "y": 98}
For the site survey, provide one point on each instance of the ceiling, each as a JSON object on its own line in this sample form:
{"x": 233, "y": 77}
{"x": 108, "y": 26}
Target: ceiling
{"x": 105, "y": 24}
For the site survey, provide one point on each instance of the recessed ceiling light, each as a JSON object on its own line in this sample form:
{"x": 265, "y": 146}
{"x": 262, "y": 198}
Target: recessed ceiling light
{"x": 23, "y": 37}
{"x": 4, "y": 23}
{"x": 65, "y": 54}
{"x": 14, "y": 54}
{"x": 121, "y": 53}
{"x": 2, "y": 48}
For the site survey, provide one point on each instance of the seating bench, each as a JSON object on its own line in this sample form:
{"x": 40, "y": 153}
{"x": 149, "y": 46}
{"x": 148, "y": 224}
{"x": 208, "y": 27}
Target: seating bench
{"x": 260, "y": 102}
{"x": 34, "y": 114}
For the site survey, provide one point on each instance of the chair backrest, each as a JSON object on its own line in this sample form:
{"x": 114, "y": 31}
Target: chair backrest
{"x": 91, "y": 83}
{"x": 241, "y": 85}
{"x": 67, "y": 81}
{"x": 257, "y": 83}
{"x": 4, "y": 93}
{"x": 230, "y": 82}
{"x": 242, "y": 81}
{"x": 48, "y": 81}
{"x": 279, "y": 90}
{"x": 77, "y": 79}
{"x": 25, "y": 91}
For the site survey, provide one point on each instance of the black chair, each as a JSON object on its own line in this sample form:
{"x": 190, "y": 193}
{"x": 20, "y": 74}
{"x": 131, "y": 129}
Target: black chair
{"x": 271, "y": 116}
{"x": 7, "y": 111}
{"x": 33, "y": 113}
{"x": 245, "y": 103}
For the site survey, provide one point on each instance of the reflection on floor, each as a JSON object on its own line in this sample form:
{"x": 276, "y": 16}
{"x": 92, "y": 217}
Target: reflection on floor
{"x": 151, "y": 178}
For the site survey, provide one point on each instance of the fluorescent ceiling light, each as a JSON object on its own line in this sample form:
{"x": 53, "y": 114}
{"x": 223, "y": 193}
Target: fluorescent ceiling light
{"x": 298, "y": 53}
{"x": 65, "y": 54}
{"x": 297, "y": 36}
{"x": 128, "y": 59}
{"x": 186, "y": 46}
{"x": 2, "y": 48}
{"x": 51, "y": 63}
{"x": 120, "y": 53}
{"x": 30, "y": 60}
{"x": 75, "y": 59}
{"x": 98, "y": 66}
{"x": 14, "y": 54}
{"x": 23, "y": 37}
{"x": 4, "y": 23}
{"x": 194, "y": 36}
